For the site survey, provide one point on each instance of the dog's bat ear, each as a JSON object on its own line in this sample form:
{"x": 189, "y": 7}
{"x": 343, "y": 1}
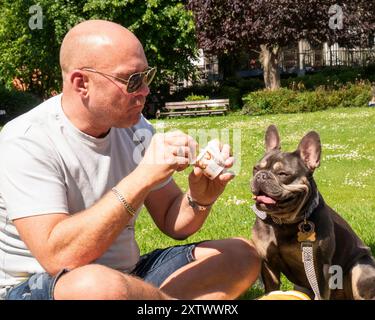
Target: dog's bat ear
{"x": 272, "y": 139}
{"x": 310, "y": 149}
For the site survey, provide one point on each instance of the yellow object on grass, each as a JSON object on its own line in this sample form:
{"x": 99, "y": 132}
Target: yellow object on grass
{"x": 285, "y": 295}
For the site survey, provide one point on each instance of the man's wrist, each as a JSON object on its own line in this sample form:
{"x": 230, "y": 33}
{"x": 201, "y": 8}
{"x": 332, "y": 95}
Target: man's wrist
{"x": 196, "y": 205}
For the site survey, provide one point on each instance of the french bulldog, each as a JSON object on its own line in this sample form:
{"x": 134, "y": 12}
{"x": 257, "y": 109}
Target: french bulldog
{"x": 286, "y": 200}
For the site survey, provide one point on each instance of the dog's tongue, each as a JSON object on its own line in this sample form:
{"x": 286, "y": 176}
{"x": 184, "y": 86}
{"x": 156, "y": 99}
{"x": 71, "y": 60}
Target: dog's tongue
{"x": 265, "y": 200}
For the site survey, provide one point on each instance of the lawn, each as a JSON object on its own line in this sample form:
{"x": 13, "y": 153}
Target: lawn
{"x": 345, "y": 177}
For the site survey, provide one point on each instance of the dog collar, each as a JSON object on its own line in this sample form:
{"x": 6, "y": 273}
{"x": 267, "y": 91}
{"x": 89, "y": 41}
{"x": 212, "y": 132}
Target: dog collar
{"x": 263, "y": 215}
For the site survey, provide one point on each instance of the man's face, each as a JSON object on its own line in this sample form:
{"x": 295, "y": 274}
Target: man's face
{"x": 109, "y": 99}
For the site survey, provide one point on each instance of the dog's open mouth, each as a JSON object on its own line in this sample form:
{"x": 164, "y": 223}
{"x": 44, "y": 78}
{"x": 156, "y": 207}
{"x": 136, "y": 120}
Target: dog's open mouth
{"x": 262, "y": 198}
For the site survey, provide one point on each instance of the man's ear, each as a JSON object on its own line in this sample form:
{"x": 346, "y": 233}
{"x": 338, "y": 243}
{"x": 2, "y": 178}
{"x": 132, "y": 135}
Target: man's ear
{"x": 310, "y": 149}
{"x": 272, "y": 139}
{"x": 78, "y": 82}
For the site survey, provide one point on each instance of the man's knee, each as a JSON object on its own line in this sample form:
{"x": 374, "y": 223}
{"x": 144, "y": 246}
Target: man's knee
{"x": 239, "y": 253}
{"x": 91, "y": 282}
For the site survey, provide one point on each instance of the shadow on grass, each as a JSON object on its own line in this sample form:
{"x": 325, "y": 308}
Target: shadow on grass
{"x": 372, "y": 247}
{"x": 252, "y": 294}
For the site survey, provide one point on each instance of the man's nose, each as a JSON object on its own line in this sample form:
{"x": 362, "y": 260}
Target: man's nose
{"x": 144, "y": 89}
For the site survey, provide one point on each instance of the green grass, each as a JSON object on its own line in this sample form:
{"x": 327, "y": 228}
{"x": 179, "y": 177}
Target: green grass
{"x": 345, "y": 177}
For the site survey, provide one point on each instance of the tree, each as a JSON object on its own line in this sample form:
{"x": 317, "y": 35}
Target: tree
{"x": 225, "y": 26}
{"x": 30, "y": 54}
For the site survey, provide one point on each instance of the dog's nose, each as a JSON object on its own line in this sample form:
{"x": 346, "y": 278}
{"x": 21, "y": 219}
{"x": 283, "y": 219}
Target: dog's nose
{"x": 262, "y": 176}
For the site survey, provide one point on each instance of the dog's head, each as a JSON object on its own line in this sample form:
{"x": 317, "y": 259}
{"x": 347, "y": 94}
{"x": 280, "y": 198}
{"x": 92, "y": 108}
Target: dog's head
{"x": 282, "y": 181}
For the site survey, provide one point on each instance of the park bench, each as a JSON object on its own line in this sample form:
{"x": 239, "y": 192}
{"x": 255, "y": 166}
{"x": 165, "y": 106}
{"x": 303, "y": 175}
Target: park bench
{"x": 194, "y": 108}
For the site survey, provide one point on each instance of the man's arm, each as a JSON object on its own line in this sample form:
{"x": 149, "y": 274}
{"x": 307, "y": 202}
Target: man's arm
{"x": 60, "y": 241}
{"x": 170, "y": 208}
{"x": 172, "y": 213}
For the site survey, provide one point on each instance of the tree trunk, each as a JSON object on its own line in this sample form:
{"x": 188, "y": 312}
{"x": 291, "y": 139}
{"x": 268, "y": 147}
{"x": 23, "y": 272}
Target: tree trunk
{"x": 269, "y": 58}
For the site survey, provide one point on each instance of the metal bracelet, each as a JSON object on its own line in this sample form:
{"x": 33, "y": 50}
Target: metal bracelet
{"x": 126, "y": 205}
{"x": 195, "y": 205}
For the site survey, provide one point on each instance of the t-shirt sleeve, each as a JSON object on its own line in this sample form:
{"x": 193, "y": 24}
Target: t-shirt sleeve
{"x": 31, "y": 182}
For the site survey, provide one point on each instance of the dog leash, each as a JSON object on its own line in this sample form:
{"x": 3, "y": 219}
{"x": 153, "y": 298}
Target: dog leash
{"x": 307, "y": 237}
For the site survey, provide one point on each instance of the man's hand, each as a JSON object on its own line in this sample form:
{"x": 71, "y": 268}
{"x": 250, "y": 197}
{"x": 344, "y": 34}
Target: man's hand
{"x": 167, "y": 153}
{"x": 206, "y": 191}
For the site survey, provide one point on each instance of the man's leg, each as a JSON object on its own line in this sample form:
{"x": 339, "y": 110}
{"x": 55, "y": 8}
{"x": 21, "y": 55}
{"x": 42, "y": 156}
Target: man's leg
{"x": 97, "y": 282}
{"x": 223, "y": 269}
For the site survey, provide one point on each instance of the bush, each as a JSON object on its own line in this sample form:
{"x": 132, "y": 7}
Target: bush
{"x": 245, "y": 85}
{"x": 206, "y": 90}
{"x": 15, "y": 103}
{"x": 234, "y": 96}
{"x": 331, "y": 78}
{"x": 194, "y": 97}
{"x": 291, "y": 101}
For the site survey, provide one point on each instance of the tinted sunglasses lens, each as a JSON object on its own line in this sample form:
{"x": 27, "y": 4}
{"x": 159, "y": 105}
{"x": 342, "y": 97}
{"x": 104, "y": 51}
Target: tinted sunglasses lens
{"x": 135, "y": 81}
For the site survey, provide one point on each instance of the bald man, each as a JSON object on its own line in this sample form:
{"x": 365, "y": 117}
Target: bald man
{"x": 75, "y": 172}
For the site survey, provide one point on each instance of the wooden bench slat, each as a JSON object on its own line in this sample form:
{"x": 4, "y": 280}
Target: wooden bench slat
{"x": 195, "y": 108}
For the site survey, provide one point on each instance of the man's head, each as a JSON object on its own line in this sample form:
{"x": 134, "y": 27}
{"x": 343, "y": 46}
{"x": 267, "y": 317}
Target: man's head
{"x": 282, "y": 181}
{"x": 92, "y": 56}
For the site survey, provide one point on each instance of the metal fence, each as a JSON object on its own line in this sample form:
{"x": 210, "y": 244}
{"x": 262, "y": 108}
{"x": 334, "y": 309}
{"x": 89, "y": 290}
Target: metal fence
{"x": 293, "y": 58}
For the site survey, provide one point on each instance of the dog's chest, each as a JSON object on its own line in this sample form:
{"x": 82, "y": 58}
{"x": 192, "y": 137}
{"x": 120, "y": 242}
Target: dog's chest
{"x": 281, "y": 250}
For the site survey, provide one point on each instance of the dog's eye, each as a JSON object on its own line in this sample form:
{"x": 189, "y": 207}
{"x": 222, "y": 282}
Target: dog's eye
{"x": 255, "y": 169}
{"x": 282, "y": 174}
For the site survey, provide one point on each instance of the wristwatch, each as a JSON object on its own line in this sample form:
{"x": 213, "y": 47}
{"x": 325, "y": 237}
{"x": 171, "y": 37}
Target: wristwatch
{"x": 195, "y": 205}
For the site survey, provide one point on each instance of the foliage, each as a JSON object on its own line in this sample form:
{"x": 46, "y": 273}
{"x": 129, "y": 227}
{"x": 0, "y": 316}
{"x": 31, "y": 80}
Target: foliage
{"x": 194, "y": 97}
{"x": 233, "y": 25}
{"x": 234, "y": 96}
{"x": 228, "y": 25}
{"x": 15, "y": 103}
{"x": 165, "y": 29}
{"x": 332, "y": 78}
{"x": 291, "y": 101}
{"x": 211, "y": 91}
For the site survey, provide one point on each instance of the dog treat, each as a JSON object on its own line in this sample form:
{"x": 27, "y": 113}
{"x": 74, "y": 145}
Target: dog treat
{"x": 210, "y": 161}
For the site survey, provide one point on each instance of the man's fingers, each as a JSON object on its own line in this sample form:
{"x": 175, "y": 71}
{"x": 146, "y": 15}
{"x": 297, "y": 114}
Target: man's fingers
{"x": 229, "y": 162}
{"x": 225, "y": 151}
{"x": 180, "y": 151}
{"x": 226, "y": 177}
{"x": 178, "y": 138}
{"x": 196, "y": 174}
{"x": 178, "y": 161}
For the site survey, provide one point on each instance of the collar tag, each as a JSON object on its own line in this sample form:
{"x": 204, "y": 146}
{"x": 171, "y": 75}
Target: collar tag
{"x": 260, "y": 214}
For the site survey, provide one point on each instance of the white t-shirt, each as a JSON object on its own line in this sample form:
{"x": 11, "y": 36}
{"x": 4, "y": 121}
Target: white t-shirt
{"x": 48, "y": 166}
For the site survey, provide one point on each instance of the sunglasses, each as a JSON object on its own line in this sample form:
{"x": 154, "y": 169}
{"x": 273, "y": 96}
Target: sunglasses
{"x": 134, "y": 82}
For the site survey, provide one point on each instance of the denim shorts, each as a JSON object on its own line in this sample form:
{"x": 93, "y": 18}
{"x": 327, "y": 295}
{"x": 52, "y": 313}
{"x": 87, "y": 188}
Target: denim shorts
{"x": 153, "y": 268}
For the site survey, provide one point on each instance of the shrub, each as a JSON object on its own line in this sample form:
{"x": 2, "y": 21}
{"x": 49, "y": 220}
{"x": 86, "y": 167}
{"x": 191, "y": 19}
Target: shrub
{"x": 234, "y": 96}
{"x": 268, "y": 102}
{"x": 331, "y": 78}
{"x": 194, "y": 97}
{"x": 245, "y": 85}
{"x": 291, "y": 101}
{"x": 15, "y": 103}
{"x": 207, "y": 90}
